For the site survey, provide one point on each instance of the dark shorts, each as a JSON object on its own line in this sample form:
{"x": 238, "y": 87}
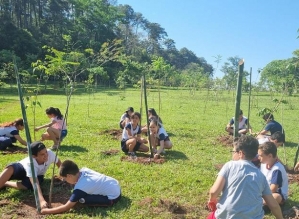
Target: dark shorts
{"x": 5, "y": 142}
{"x": 19, "y": 173}
{"x": 124, "y": 147}
{"x": 98, "y": 200}
{"x": 63, "y": 134}
{"x": 166, "y": 139}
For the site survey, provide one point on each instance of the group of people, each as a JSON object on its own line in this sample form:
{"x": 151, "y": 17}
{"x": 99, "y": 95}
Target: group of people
{"x": 56, "y": 130}
{"x": 255, "y": 179}
{"x": 132, "y": 139}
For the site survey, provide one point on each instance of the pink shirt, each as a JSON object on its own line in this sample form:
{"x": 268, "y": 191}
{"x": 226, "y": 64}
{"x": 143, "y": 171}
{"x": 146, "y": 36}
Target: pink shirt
{"x": 58, "y": 123}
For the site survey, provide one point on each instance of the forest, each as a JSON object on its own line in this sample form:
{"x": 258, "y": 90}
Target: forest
{"x": 102, "y": 42}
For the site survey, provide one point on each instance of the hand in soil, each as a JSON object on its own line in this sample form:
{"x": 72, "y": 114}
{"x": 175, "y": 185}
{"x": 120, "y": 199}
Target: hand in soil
{"x": 157, "y": 156}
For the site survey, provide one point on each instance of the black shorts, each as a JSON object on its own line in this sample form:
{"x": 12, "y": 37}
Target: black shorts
{"x": 5, "y": 142}
{"x": 124, "y": 147}
{"x": 19, "y": 173}
{"x": 166, "y": 139}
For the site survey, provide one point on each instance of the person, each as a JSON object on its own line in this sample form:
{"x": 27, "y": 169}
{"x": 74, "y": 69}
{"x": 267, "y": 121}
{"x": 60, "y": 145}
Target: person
{"x": 56, "y": 129}
{"x": 243, "y": 125}
{"x": 42, "y": 159}
{"x": 91, "y": 188}
{"x": 274, "y": 171}
{"x": 125, "y": 118}
{"x": 131, "y": 137}
{"x": 152, "y": 114}
{"x": 9, "y": 133}
{"x": 271, "y": 125}
{"x": 278, "y": 138}
{"x": 242, "y": 185}
{"x": 159, "y": 137}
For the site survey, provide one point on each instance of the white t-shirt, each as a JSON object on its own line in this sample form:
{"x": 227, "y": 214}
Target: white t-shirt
{"x": 7, "y": 131}
{"x": 263, "y": 139}
{"x": 40, "y": 169}
{"x": 94, "y": 183}
{"x": 134, "y": 132}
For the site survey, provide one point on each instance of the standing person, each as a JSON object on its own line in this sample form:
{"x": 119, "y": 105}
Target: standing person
{"x": 56, "y": 129}
{"x": 243, "y": 125}
{"x": 274, "y": 171}
{"x": 91, "y": 188}
{"x": 271, "y": 125}
{"x": 131, "y": 137}
{"x": 242, "y": 185}
{"x": 125, "y": 118}
{"x": 42, "y": 159}
{"x": 159, "y": 137}
{"x": 9, "y": 133}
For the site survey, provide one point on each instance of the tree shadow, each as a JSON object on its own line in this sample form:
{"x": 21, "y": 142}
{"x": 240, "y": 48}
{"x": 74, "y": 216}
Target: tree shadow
{"x": 291, "y": 144}
{"x": 175, "y": 155}
{"x": 75, "y": 148}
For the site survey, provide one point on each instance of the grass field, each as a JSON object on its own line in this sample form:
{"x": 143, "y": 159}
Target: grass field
{"x": 177, "y": 188}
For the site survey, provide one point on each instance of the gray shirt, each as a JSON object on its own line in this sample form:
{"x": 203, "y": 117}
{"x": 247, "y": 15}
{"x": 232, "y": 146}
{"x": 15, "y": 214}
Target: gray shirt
{"x": 243, "y": 190}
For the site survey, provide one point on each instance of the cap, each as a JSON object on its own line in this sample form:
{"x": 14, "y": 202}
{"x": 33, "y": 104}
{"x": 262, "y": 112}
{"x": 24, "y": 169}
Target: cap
{"x": 36, "y": 147}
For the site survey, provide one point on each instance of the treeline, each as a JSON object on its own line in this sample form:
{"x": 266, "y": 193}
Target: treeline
{"x": 92, "y": 41}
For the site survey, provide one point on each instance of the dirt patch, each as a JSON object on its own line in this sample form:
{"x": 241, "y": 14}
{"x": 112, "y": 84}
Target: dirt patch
{"x": 146, "y": 159}
{"x": 226, "y": 140}
{"x": 14, "y": 150}
{"x": 110, "y": 152}
{"x": 115, "y": 133}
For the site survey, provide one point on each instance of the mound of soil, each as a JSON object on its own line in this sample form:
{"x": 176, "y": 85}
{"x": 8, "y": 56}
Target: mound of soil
{"x": 143, "y": 160}
{"x": 226, "y": 140}
{"x": 110, "y": 152}
{"x": 14, "y": 150}
{"x": 115, "y": 133}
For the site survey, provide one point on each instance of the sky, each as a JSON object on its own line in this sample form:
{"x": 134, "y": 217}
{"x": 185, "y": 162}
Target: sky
{"x": 259, "y": 31}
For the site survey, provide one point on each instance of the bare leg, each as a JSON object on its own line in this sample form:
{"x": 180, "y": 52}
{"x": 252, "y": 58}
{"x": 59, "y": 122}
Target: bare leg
{"x": 15, "y": 185}
{"x": 6, "y": 175}
{"x": 143, "y": 148}
{"x": 167, "y": 144}
{"x": 130, "y": 144}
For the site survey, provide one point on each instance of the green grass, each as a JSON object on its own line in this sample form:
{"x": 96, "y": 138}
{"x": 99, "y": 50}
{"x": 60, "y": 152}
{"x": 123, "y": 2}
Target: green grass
{"x": 194, "y": 123}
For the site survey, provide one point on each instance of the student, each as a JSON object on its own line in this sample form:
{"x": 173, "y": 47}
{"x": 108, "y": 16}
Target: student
{"x": 131, "y": 137}
{"x": 152, "y": 114}
{"x": 125, "y": 118}
{"x": 9, "y": 133}
{"x": 42, "y": 159}
{"x": 91, "y": 188}
{"x": 274, "y": 171}
{"x": 159, "y": 137}
{"x": 271, "y": 125}
{"x": 243, "y": 125}
{"x": 278, "y": 138}
{"x": 56, "y": 129}
{"x": 242, "y": 186}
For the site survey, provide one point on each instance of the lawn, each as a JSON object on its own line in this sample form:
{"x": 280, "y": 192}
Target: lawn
{"x": 177, "y": 188}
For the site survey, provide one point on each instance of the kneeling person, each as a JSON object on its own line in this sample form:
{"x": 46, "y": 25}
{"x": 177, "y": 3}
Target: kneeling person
{"x": 91, "y": 188}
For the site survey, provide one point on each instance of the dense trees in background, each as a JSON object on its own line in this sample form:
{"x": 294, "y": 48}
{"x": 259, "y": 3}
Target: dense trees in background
{"x": 101, "y": 42}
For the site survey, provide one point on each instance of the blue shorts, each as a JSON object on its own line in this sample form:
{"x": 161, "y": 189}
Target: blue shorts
{"x": 5, "y": 142}
{"x": 63, "y": 134}
{"x": 124, "y": 147}
{"x": 19, "y": 173}
{"x": 94, "y": 200}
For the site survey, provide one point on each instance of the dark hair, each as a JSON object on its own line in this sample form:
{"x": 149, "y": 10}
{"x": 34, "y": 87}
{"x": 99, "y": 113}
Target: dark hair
{"x": 54, "y": 111}
{"x": 17, "y": 122}
{"x": 156, "y": 122}
{"x": 248, "y": 145}
{"x": 241, "y": 112}
{"x": 130, "y": 109}
{"x": 36, "y": 147}
{"x": 136, "y": 114}
{"x": 68, "y": 167}
{"x": 278, "y": 136}
{"x": 268, "y": 116}
{"x": 269, "y": 148}
{"x": 154, "y": 113}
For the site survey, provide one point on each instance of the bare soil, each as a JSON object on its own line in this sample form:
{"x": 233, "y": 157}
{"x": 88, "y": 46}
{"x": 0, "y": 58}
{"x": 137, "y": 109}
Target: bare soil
{"x": 14, "y": 150}
{"x": 114, "y": 133}
{"x": 144, "y": 159}
{"x": 226, "y": 140}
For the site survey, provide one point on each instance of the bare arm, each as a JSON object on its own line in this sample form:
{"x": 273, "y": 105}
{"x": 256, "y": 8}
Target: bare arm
{"x": 161, "y": 147}
{"x": 45, "y": 126}
{"x": 58, "y": 164}
{"x": 43, "y": 203}
{"x": 273, "y": 205}
{"x": 67, "y": 206}
{"x": 273, "y": 188}
{"x": 263, "y": 132}
{"x": 23, "y": 142}
{"x": 296, "y": 168}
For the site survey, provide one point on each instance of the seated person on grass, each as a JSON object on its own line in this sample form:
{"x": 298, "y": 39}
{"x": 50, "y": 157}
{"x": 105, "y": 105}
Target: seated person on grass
{"x": 42, "y": 159}
{"x": 241, "y": 186}
{"x": 131, "y": 137}
{"x": 91, "y": 188}
{"x": 274, "y": 172}
{"x": 125, "y": 118}
{"x": 243, "y": 123}
{"x": 271, "y": 125}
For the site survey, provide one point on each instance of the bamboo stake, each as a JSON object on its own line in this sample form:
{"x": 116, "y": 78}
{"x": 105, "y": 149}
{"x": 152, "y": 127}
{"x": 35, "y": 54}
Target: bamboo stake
{"x": 248, "y": 124}
{"x": 238, "y": 98}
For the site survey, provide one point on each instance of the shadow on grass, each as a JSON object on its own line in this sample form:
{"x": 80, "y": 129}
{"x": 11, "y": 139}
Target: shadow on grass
{"x": 175, "y": 155}
{"x": 75, "y": 148}
{"x": 291, "y": 144}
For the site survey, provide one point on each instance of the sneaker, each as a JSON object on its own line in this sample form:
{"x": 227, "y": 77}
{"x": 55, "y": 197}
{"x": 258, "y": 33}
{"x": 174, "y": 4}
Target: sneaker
{"x": 54, "y": 147}
{"x": 132, "y": 155}
{"x": 163, "y": 152}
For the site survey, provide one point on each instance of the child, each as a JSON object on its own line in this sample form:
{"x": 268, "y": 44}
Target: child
{"x": 152, "y": 114}
{"x": 241, "y": 186}
{"x": 278, "y": 138}
{"x": 56, "y": 130}
{"x": 159, "y": 137}
{"x": 274, "y": 171}
{"x": 125, "y": 118}
{"x": 91, "y": 188}
{"x": 9, "y": 133}
{"x": 243, "y": 123}
{"x": 271, "y": 125}
{"x": 131, "y": 137}
{"x": 42, "y": 159}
